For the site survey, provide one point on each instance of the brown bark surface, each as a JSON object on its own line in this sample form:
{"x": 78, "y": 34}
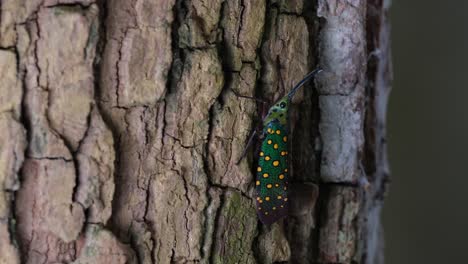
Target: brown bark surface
{"x": 121, "y": 129}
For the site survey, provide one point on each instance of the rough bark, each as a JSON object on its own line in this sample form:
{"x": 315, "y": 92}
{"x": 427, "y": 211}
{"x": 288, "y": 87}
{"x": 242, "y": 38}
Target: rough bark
{"x": 121, "y": 129}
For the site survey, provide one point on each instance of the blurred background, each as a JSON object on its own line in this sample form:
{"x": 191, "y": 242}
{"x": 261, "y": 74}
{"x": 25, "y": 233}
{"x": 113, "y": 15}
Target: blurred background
{"x": 426, "y": 210}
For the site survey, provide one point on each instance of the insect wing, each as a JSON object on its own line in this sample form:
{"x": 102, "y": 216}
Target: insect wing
{"x": 272, "y": 175}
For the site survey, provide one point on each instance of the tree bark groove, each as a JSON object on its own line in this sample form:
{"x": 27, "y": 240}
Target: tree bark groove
{"x": 121, "y": 129}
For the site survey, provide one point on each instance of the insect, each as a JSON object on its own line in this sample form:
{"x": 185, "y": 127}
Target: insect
{"x": 271, "y": 184}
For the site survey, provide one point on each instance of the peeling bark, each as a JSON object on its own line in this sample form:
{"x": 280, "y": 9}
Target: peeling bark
{"x": 122, "y": 125}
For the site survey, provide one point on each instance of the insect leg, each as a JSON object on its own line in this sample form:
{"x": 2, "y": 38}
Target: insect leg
{"x": 249, "y": 97}
{"x": 249, "y": 143}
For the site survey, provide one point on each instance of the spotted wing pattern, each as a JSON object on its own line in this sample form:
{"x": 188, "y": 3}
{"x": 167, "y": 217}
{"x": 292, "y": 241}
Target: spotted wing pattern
{"x": 272, "y": 174}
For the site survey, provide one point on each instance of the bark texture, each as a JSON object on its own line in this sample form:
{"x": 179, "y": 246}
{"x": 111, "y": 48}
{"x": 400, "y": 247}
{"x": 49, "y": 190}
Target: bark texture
{"x": 121, "y": 129}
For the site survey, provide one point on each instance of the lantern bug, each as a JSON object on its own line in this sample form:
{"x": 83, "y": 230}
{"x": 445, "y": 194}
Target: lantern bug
{"x": 271, "y": 184}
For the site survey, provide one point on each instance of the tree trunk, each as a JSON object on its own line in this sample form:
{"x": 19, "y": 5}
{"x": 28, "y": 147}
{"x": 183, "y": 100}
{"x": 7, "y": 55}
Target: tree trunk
{"x": 121, "y": 129}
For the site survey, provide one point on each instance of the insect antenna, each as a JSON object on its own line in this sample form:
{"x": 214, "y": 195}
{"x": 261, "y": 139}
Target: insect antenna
{"x": 303, "y": 81}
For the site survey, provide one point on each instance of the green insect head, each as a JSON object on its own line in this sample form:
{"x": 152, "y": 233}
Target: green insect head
{"x": 278, "y": 112}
